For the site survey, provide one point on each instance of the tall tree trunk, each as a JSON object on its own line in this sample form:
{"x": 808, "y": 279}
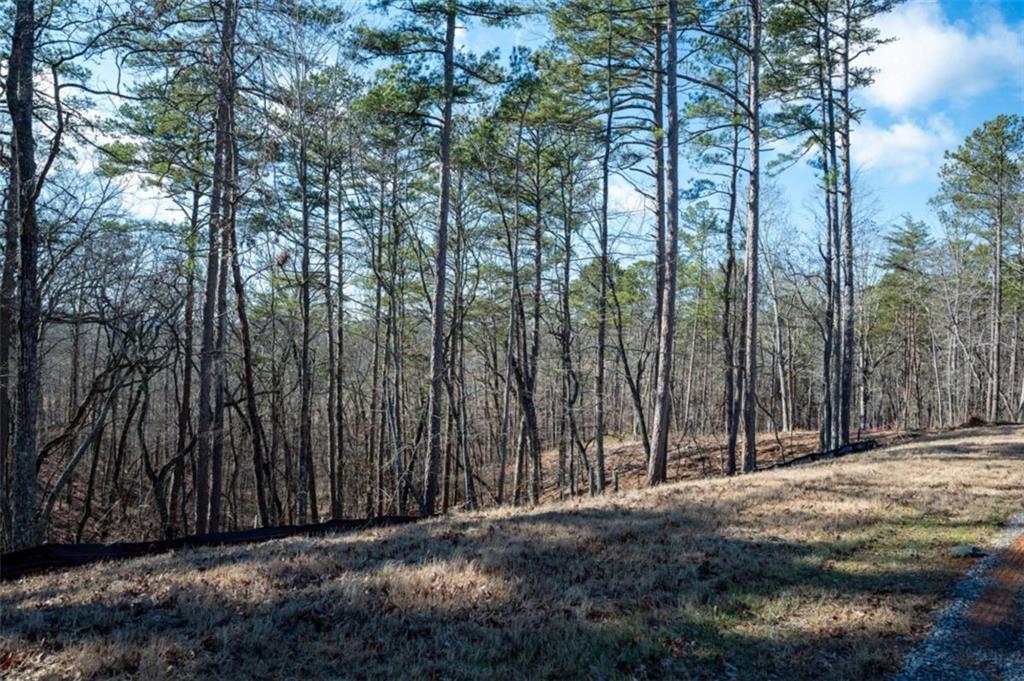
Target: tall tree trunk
{"x": 732, "y": 400}
{"x": 220, "y": 357}
{"x": 753, "y": 223}
{"x": 257, "y": 437}
{"x": 732, "y": 383}
{"x": 538, "y": 263}
{"x": 836, "y": 227}
{"x": 602, "y": 296}
{"x": 657, "y": 469}
{"x": 20, "y": 105}
{"x": 376, "y": 412}
{"x": 8, "y": 319}
{"x": 177, "y": 500}
{"x": 846, "y": 395}
{"x": 513, "y": 322}
{"x": 995, "y": 351}
{"x": 340, "y": 367}
{"x": 570, "y": 386}
{"x": 332, "y": 353}
{"x": 459, "y": 348}
{"x": 440, "y": 276}
{"x": 394, "y": 349}
{"x": 306, "y": 492}
{"x": 658, "y": 134}
{"x": 207, "y": 359}
{"x": 827, "y": 406}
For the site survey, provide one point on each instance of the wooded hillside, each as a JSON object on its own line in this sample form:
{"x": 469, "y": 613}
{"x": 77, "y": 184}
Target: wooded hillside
{"x": 278, "y": 262}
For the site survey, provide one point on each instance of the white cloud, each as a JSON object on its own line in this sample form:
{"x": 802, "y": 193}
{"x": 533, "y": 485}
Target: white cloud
{"x": 906, "y": 150}
{"x": 933, "y": 58}
{"x": 623, "y": 197}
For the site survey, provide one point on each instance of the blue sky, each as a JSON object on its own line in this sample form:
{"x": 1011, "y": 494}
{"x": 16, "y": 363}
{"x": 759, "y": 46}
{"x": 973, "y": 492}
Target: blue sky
{"x": 952, "y": 65}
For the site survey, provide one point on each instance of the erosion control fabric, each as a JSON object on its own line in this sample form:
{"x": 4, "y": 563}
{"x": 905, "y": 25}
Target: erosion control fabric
{"x": 50, "y": 557}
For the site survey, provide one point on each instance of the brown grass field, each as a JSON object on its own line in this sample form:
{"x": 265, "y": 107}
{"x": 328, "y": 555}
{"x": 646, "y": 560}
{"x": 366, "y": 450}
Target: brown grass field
{"x": 832, "y": 570}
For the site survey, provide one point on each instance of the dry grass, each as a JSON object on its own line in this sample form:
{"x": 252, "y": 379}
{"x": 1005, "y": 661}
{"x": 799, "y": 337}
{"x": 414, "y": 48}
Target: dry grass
{"x": 828, "y": 571}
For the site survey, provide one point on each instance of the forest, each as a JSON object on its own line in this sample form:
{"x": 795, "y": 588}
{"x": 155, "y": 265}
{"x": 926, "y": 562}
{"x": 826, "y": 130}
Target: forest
{"x": 271, "y": 263}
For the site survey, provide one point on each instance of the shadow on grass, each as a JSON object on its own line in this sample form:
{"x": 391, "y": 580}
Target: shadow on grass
{"x": 608, "y": 594}
{"x": 675, "y": 590}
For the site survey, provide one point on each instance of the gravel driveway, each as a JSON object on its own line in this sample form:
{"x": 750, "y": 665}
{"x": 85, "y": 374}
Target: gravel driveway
{"x": 980, "y": 635}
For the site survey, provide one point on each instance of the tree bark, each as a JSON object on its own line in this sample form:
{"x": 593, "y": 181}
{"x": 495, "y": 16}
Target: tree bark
{"x": 657, "y": 471}
{"x": 602, "y": 297}
{"x": 257, "y": 437}
{"x": 332, "y": 356}
{"x": 995, "y": 351}
{"x": 20, "y": 104}
{"x": 8, "y": 320}
{"x": 658, "y": 133}
{"x": 437, "y": 359}
{"x": 208, "y": 352}
{"x": 732, "y": 400}
{"x": 753, "y": 223}
{"x": 177, "y": 500}
{"x": 846, "y": 395}
{"x": 340, "y": 367}
{"x": 220, "y": 351}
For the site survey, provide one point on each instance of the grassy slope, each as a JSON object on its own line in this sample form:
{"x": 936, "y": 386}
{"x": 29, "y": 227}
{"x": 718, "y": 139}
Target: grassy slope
{"x": 825, "y": 571}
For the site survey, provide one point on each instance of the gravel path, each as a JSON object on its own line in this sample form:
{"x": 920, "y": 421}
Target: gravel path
{"x": 980, "y": 634}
